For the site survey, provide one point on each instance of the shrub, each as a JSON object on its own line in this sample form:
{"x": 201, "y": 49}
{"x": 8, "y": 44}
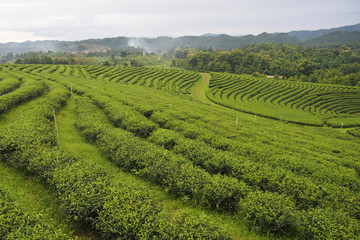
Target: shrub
{"x": 266, "y": 211}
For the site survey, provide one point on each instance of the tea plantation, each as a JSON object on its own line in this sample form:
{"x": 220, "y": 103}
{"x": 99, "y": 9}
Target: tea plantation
{"x": 133, "y": 155}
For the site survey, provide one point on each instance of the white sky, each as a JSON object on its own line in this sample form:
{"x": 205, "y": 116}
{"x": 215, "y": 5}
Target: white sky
{"x": 22, "y": 20}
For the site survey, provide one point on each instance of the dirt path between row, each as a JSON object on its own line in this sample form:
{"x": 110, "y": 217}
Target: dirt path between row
{"x": 200, "y": 90}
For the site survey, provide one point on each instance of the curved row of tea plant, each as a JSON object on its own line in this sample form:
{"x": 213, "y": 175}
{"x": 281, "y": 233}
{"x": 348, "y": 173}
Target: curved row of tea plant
{"x": 8, "y": 85}
{"x": 156, "y": 164}
{"x": 355, "y": 132}
{"x": 29, "y": 89}
{"x": 306, "y": 191}
{"x": 178, "y": 176}
{"x": 170, "y": 80}
{"x": 294, "y": 102}
{"x": 344, "y": 177}
{"x": 85, "y": 191}
{"x": 291, "y": 160}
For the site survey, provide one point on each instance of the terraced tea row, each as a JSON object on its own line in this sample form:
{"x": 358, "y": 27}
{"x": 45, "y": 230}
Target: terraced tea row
{"x": 304, "y": 103}
{"x": 175, "y": 81}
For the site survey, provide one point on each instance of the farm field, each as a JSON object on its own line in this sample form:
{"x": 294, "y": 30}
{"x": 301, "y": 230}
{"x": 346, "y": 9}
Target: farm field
{"x": 139, "y": 158}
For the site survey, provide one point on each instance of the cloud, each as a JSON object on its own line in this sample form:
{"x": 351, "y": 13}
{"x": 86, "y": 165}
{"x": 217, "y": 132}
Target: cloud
{"x": 82, "y": 19}
{"x": 13, "y": 36}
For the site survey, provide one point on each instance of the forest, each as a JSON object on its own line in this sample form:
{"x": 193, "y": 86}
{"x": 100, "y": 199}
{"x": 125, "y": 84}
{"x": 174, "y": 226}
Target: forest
{"x": 295, "y": 63}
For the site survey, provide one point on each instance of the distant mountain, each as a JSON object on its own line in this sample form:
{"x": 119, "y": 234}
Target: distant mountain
{"x": 29, "y": 46}
{"x": 210, "y": 35}
{"x": 348, "y": 35}
{"x": 336, "y": 39}
{"x": 221, "y": 41}
{"x": 156, "y": 45}
{"x": 305, "y": 35}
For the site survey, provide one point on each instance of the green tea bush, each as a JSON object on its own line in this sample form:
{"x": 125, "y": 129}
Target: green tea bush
{"x": 17, "y": 224}
{"x": 326, "y": 223}
{"x": 266, "y": 211}
{"x": 124, "y": 116}
{"x": 8, "y": 85}
{"x": 177, "y": 174}
{"x": 28, "y": 90}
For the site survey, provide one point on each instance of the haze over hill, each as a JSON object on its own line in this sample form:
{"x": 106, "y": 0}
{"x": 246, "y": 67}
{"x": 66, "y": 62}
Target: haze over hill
{"x": 349, "y": 35}
{"x": 305, "y": 35}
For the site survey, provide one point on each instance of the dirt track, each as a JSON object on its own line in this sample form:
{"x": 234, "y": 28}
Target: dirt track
{"x": 199, "y": 91}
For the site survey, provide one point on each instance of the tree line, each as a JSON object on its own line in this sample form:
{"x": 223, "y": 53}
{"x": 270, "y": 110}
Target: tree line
{"x": 296, "y": 63}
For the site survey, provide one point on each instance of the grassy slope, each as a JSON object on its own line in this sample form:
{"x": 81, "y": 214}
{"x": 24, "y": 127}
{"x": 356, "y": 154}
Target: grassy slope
{"x": 72, "y": 141}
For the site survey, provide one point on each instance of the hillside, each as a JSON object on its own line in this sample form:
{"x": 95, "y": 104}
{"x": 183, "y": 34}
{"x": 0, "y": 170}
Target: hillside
{"x": 336, "y": 39}
{"x": 305, "y": 35}
{"x": 133, "y": 155}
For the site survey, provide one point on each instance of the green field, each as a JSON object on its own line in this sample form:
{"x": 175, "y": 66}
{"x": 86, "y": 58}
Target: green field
{"x": 159, "y": 154}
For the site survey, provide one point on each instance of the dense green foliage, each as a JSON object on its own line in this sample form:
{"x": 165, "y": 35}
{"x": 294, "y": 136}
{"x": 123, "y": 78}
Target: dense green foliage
{"x": 290, "y": 180}
{"x": 16, "y": 224}
{"x": 319, "y": 65}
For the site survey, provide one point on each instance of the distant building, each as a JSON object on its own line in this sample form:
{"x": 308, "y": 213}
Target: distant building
{"x": 272, "y": 76}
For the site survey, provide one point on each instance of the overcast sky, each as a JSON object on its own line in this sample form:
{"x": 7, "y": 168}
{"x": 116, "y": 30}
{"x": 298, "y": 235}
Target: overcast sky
{"x": 22, "y": 20}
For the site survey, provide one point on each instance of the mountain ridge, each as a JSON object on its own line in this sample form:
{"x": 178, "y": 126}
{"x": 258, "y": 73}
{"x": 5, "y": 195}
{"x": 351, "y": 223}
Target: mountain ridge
{"x": 326, "y": 37}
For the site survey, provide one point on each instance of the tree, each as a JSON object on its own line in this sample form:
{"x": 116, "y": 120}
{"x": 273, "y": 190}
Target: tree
{"x": 70, "y": 58}
{"x": 46, "y": 60}
{"x": 136, "y": 63}
{"x": 106, "y": 63}
{"x": 9, "y": 55}
{"x": 114, "y": 60}
{"x": 31, "y": 58}
{"x": 306, "y": 67}
{"x": 183, "y": 53}
{"x": 235, "y": 58}
{"x": 60, "y": 60}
